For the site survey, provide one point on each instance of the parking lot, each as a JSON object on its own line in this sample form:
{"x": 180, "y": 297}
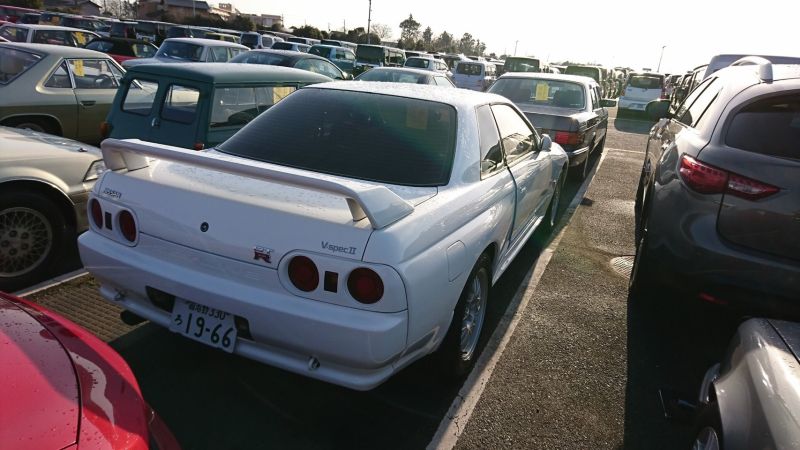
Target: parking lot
{"x": 581, "y": 365}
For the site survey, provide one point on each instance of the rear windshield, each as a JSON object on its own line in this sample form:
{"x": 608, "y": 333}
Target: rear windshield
{"x": 284, "y": 45}
{"x": 14, "y": 63}
{"x": 563, "y": 94}
{"x": 521, "y": 65}
{"x": 250, "y": 39}
{"x": 369, "y": 54}
{"x": 418, "y": 62}
{"x": 469, "y": 69}
{"x": 367, "y": 136}
{"x": 270, "y": 59}
{"x": 394, "y": 76}
{"x": 181, "y": 50}
{"x": 646, "y": 82}
{"x": 769, "y": 127}
{"x": 592, "y": 72}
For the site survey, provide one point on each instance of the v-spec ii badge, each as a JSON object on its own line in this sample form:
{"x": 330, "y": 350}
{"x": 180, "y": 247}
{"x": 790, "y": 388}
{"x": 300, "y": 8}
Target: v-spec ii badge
{"x": 112, "y": 193}
{"x": 262, "y": 254}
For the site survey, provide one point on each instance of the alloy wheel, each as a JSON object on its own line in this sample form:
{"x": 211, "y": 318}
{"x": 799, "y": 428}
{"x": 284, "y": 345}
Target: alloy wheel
{"x": 706, "y": 439}
{"x": 474, "y": 313}
{"x": 26, "y": 238}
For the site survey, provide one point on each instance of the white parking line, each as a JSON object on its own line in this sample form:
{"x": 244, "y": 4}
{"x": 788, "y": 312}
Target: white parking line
{"x": 61, "y": 279}
{"x": 626, "y": 151}
{"x": 455, "y": 421}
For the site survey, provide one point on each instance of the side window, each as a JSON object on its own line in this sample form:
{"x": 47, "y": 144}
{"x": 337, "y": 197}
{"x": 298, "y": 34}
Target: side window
{"x": 93, "y": 74}
{"x": 54, "y": 37}
{"x": 595, "y": 101}
{"x": 491, "y": 152}
{"x": 696, "y": 110}
{"x": 339, "y": 55}
{"x": 217, "y": 54}
{"x": 13, "y": 34}
{"x": 442, "y": 81}
{"x": 140, "y": 97}
{"x": 690, "y": 99}
{"x": 180, "y": 104}
{"x": 233, "y": 52}
{"x": 80, "y": 38}
{"x": 349, "y": 56}
{"x": 768, "y": 127}
{"x": 318, "y": 66}
{"x": 517, "y": 137}
{"x": 59, "y": 78}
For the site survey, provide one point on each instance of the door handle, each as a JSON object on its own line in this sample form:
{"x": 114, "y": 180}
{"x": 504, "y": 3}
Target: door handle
{"x": 88, "y": 103}
{"x": 155, "y": 123}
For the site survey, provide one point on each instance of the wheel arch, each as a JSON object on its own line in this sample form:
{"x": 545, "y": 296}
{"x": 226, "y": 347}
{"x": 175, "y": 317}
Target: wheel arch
{"x": 53, "y": 120}
{"x": 47, "y": 190}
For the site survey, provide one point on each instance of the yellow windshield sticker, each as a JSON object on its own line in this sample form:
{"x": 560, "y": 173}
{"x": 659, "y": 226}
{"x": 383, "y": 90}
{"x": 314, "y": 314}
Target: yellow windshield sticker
{"x": 77, "y": 67}
{"x": 81, "y": 38}
{"x": 417, "y": 117}
{"x": 542, "y": 92}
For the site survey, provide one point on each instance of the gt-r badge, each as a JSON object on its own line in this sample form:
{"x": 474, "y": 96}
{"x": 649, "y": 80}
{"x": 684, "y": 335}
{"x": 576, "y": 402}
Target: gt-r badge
{"x": 263, "y": 254}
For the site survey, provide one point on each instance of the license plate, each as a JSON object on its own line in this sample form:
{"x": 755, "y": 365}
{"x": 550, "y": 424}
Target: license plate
{"x": 204, "y": 324}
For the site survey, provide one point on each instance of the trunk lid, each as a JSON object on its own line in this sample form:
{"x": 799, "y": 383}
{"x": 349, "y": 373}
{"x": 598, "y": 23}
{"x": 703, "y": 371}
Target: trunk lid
{"x": 176, "y": 201}
{"x": 549, "y": 119}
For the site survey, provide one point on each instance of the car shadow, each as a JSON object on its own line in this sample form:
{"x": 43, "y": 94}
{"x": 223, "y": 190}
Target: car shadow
{"x": 632, "y": 123}
{"x": 672, "y": 340}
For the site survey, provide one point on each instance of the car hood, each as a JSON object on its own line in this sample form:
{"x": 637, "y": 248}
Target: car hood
{"x": 18, "y": 144}
{"x": 39, "y": 389}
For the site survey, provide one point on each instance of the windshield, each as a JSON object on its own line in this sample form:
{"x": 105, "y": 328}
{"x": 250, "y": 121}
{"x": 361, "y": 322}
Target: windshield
{"x": 14, "y": 63}
{"x": 270, "y": 59}
{"x": 521, "y": 65}
{"x": 422, "y": 63}
{"x": 370, "y": 54}
{"x": 543, "y": 92}
{"x": 181, "y": 50}
{"x": 380, "y": 138}
{"x": 394, "y": 76}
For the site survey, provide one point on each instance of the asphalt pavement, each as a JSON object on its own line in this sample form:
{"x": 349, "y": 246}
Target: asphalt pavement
{"x": 582, "y": 369}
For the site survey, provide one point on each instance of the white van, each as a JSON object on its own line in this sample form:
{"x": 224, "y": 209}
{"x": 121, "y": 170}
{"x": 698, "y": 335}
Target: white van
{"x": 474, "y": 75}
{"x": 641, "y": 89}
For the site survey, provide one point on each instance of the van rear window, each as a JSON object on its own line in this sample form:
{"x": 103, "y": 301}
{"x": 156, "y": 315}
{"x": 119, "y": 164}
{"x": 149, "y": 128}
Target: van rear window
{"x": 382, "y": 138}
{"x": 646, "y": 82}
{"x": 469, "y": 69}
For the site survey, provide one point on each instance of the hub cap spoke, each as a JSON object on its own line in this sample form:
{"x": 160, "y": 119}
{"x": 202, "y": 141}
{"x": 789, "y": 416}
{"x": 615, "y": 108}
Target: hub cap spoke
{"x": 26, "y": 238}
{"x": 474, "y": 313}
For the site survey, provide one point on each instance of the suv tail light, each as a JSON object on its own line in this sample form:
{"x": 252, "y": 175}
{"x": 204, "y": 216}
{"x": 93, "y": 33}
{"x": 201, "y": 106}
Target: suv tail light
{"x": 707, "y": 179}
{"x": 566, "y": 138}
{"x": 97, "y": 212}
{"x": 127, "y": 226}
{"x": 303, "y": 273}
{"x": 365, "y": 285}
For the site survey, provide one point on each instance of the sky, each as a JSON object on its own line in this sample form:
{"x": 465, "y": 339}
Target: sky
{"x": 609, "y": 32}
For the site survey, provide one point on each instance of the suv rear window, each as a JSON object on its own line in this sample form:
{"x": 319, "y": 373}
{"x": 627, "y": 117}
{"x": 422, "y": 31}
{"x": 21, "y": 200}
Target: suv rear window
{"x": 769, "y": 127}
{"x": 646, "y": 82}
{"x": 373, "y": 137}
{"x": 14, "y": 63}
{"x": 469, "y": 69}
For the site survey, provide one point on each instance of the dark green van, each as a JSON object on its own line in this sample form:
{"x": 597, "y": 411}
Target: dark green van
{"x": 197, "y": 105}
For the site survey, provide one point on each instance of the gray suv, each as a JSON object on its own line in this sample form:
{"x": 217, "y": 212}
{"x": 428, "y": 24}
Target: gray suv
{"x": 718, "y": 203}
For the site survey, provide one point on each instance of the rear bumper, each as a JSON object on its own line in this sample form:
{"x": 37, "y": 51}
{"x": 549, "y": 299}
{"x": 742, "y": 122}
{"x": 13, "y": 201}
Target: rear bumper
{"x": 577, "y": 157}
{"x": 632, "y": 104}
{"x": 355, "y": 348}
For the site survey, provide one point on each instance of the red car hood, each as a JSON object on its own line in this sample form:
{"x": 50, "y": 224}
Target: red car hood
{"x": 37, "y": 384}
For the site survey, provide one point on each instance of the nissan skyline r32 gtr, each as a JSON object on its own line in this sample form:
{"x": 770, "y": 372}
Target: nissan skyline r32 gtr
{"x": 346, "y": 232}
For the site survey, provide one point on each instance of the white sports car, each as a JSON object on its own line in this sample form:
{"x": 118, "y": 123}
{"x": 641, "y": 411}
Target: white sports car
{"x": 346, "y": 232}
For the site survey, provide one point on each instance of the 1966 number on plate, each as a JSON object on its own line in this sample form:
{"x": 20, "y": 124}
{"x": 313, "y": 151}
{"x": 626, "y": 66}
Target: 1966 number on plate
{"x": 205, "y": 324}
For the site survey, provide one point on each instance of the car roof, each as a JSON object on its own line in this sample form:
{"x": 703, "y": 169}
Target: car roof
{"x": 330, "y": 46}
{"x": 289, "y": 53}
{"x": 122, "y": 40}
{"x": 229, "y": 73}
{"x": 427, "y": 73}
{"x": 549, "y": 76}
{"x": 751, "y": 72}
{"x": 206, "y": 42}
{"x": 45, "y": 27}
{"x": 472, "y": 61}
{"x": 460, "y": 98}
{"x": 58, "y": 50}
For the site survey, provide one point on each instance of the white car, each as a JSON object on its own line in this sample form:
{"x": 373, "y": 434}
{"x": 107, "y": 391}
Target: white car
{"x": 641, "y": 89}
{"x": 346, "y": 232}
{"x": 183, "y": 50}
{"x": 432, "y": 64}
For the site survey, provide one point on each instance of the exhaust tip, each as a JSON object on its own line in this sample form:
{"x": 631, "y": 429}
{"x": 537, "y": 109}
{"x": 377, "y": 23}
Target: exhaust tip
{"x": 129, "y": 318}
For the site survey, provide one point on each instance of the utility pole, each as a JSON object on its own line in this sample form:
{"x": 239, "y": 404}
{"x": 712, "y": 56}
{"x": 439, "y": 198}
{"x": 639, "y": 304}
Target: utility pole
{"x": 369, "y": 19}
{"x": 658, "y": 69}
{"x": 515, "y": 47}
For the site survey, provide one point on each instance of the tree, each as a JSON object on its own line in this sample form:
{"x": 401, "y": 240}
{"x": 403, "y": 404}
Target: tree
{"x": 277, "y": 26}
{"x": 467, "y": 44}
{"x": 410, "y": 31}
{"x": 307, "y": 31}
{"x": 32, "y": 4}
{"x": 480, "y": 47}
{"x": 427, "y": 38}
{"x": 444, "y": 43}
{"x": 241, "y": 23}
{"x": 383, "y": 31}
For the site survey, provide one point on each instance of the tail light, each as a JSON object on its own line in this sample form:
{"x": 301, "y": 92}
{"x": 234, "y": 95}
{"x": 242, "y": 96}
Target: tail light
{"x": 127, "y": 226}
{"x": 707, "y": 179}
{"x": 199, "y": 146}
{"x": 97, "y": 212}
{"x": 365, "y": 285}
{"x": 567, "y": 138}
{"x": 105, "y": 129}
{"x": 303, "y": 273}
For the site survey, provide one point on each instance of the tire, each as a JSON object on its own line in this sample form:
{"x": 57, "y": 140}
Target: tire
{"x": 641, "y": 278}
{"x": 551, "y": 217}
{"x": 708, "y": 430}
{"x": 602, "y": 145}
{"x": 33, "y": 237}
{"x": 458, "y": 352}
{"x": 34, "y": 124}
{"x": 583, "y": 170}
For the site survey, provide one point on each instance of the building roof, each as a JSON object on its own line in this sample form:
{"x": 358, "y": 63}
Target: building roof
{"x": 230, "y": 73}
{"x": 200, "y": 5}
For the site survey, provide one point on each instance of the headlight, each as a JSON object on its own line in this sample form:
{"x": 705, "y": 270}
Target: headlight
{"x": 95, "y": 170}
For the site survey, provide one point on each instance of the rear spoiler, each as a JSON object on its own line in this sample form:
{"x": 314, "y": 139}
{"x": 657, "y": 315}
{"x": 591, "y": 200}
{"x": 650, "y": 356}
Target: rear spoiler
{"x": 377, "y": 203}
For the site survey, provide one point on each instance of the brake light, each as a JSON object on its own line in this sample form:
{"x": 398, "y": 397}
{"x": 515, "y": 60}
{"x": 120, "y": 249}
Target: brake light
{"x": 127, "y": 226}
{"x": 707, "y": 179}
{"x": 199, "y": 146}
{"x": 365, "y": 285}
{"x": 97, "y": 212}
{"x": 303, "y": 273}
{"x": 566, "y": 138}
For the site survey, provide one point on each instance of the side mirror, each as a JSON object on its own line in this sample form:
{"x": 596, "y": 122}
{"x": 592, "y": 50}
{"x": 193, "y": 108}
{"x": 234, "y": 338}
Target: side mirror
{"x": 608, "y": 103}
{"x": 658, "y": 109}
{"x": 546, "y": 142}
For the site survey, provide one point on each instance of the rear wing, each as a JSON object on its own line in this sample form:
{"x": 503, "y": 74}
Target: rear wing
{"x": 377, "y": 203}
